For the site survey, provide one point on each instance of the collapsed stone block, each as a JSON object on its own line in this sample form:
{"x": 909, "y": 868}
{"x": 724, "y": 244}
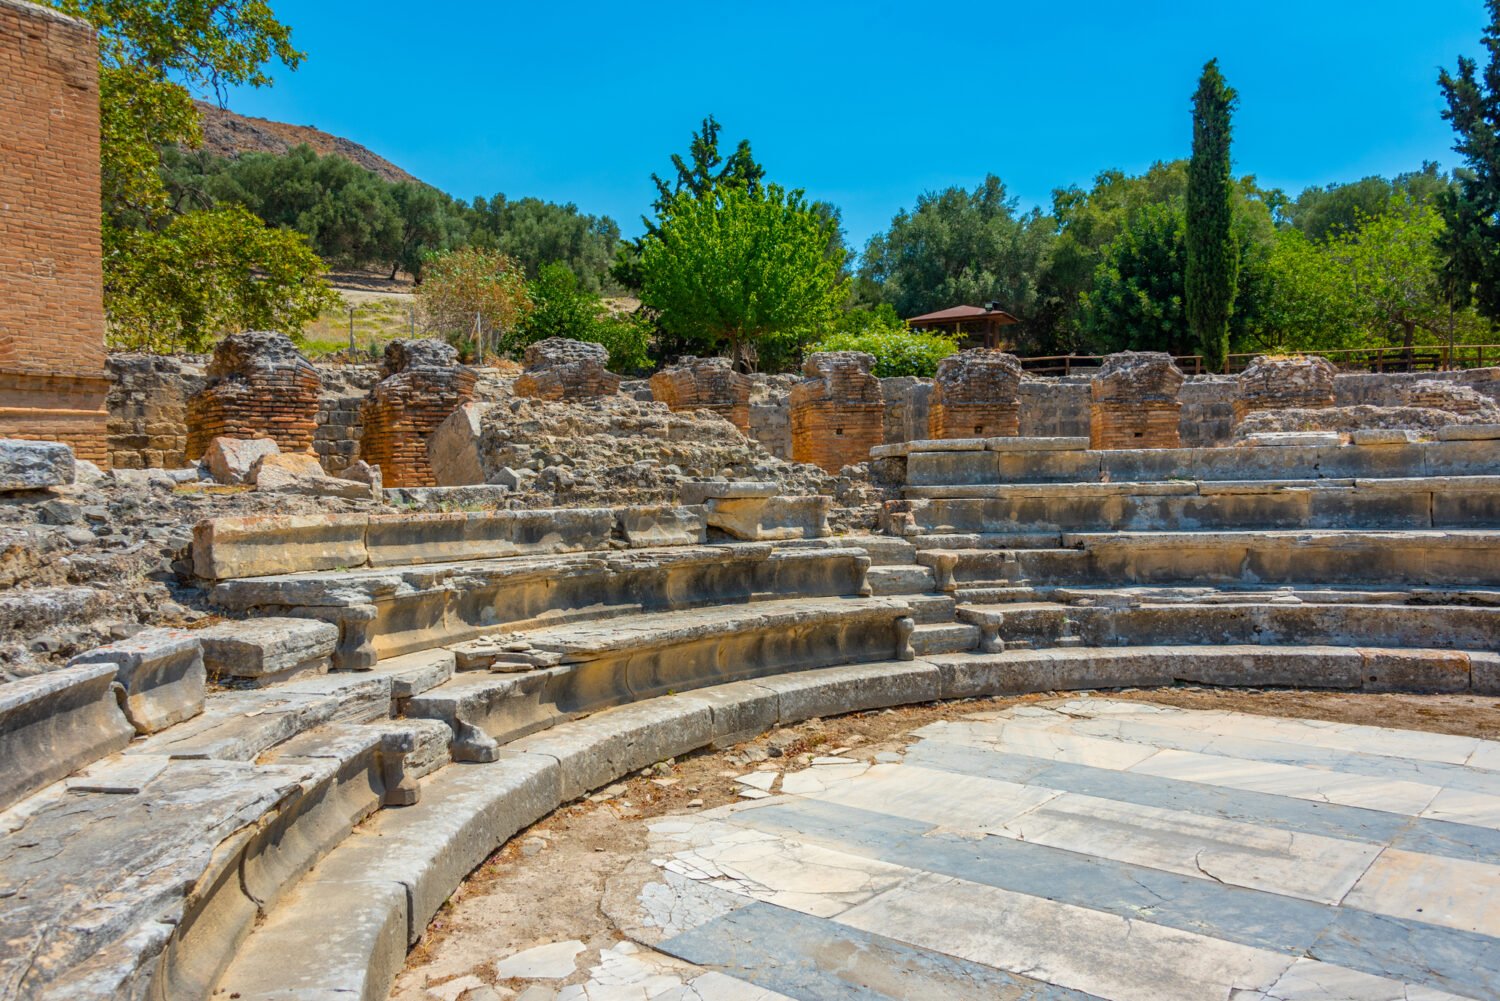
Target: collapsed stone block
{"x": 1453, "y": 398}
{"x": 561, "y": 369}
{"x": 256, "y": 546}
{"x": 705, "y": 384}
{"x": 976, "y": 394}
{"x": 231, "y": 460}
{"x": 838, "y": 410}
{"x": 259, "y": 386}
{"x": 1134, "y": 402}
{"x": 453, "y": 449}
{"x": 301, "y": 473}
{"x": 421, "y": 385}
{"x": 268, "y": 650}
{"x": 53, "y": 724}
{"x": 1303, "y": 382}
{"x": 771, "y": 518}
{"x": 662, "y": 525}
{"x": 34, "y": 465}
{"x": 161, "y": 674}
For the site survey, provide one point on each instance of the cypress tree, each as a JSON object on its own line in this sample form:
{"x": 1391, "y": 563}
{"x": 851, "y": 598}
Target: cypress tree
{"x": 1212, "y": 270}
{"x": 1471, "y": 209}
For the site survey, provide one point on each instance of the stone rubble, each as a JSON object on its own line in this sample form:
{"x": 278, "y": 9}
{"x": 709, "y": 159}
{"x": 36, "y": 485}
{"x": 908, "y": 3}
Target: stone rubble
{"x": 559, "y": 369}
{"x": 259, "y": 386}
{"x": 976, "y": 394}
{"x": 422, "y": 383}
{"x": 1282, "y": 382}
{"x": 1134, "y": 401}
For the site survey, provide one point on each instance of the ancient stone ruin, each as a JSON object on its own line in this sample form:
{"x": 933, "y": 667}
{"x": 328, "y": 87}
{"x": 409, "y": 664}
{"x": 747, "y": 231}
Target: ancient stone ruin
{"x": 838, "y": 412}
{"x": 560, "y": 369}
{"x": 705, "y": 384}
{"x": 259, "y": 386}
{"x": 1133, "y": 402}
{"x": 422, "y": 383}
{"x": 1281, "y": 382}
{"x": 976, "y": 394}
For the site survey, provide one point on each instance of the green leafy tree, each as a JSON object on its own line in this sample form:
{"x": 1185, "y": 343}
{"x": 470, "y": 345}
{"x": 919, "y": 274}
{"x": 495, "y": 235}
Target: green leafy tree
{"x": 749, "y": 271}
{"x": 474, "y": 293}
{"x": 1296, "y": 295}
{"x": 429, "y": 222}
{"x": 704, "y": 171}
{"x": 1137, "y": 301}
{"x": 537, "y": 233}
{"x": 898, "y": 350}
{"x": 1212, "y": 262}
{"x": 960, "y": 247}
{"x": 1322, "y": 212}
{"x": 1472, "y": 209}
{"x": 206, "y": 274}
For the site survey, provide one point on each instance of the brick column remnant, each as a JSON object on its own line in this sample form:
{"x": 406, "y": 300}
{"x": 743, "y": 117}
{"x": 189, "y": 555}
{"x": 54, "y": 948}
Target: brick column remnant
{"x": 838, "y": 412}
{"x": 560, "y": 369}
{"x": 977, "y": 394}
{"x": 705, "y": 384}
{"x": 1303, "y": 382}
{"x": 259, "y": 386}
{"x": 52, "y": 379}
{"x": 422, "y": 383}
{"x": 1133, "y": 402}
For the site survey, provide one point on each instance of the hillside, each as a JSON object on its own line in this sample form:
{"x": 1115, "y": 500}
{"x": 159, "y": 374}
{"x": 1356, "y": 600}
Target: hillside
{"x": 228, "y": 134}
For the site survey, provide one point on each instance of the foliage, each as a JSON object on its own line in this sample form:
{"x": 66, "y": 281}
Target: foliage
{"x": 537, "y": 233}
{"x": 1212, "y": 262}
{"x": 960, "y": 247}
{"x": 1323, "y": 212}
{"x": 706, "y": 172}
{"x": 565, "y": 308}
{"x": 897, "y": 350}
{"x": 137, "y": 113}
{"x": 746, "y": 269}
{"x": 1472, "y": 209}
{"x": 206, "y": 274}
{"x": 474, "y": 291}
{"x": 1296, "y": 296}
{"x": 1137, "y": 301}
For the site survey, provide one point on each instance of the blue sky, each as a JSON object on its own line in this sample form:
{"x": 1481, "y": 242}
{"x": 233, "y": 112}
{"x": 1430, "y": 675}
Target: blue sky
{"x": 868, "y": 104}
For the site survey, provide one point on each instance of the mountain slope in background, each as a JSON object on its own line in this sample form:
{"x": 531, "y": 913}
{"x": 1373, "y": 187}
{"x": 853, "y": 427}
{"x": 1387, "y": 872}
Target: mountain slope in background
{"x": 228, "y": 134}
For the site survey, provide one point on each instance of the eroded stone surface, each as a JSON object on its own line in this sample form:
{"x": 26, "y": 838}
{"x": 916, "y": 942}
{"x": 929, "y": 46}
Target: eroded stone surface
{"x": 33, "y": 465}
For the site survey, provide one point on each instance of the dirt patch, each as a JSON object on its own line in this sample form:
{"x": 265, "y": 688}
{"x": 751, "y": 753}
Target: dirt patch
{"x": 549, "y": 883}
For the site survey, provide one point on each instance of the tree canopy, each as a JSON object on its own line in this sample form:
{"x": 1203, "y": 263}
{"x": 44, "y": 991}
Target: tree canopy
{"x": 1211, "y": 267}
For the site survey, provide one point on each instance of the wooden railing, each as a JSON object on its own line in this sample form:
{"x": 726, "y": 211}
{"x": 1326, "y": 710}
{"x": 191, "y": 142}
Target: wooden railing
{"x": 1420, "y": 358}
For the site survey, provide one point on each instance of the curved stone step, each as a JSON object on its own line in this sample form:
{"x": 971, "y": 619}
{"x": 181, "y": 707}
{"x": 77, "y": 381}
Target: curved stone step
{"x": 944, "y": 637}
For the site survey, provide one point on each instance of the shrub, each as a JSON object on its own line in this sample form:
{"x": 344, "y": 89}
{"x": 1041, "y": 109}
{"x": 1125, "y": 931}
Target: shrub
{"x": 565, "y": 308}
{"x": 897, "y": 350}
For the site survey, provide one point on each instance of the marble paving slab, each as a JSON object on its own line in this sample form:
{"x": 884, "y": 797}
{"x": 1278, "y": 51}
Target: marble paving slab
{"x": 1094, "y": 848}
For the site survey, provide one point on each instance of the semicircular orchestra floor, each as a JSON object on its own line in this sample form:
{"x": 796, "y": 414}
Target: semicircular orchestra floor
{"x": 1078, "y": 848}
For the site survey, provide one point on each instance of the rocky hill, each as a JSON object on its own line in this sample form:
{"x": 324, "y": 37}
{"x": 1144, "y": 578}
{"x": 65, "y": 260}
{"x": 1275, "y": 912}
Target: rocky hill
{"x": 228, "y": 134}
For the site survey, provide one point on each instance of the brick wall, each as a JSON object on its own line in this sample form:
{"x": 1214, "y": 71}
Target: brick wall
{"x": 52, "y": 379}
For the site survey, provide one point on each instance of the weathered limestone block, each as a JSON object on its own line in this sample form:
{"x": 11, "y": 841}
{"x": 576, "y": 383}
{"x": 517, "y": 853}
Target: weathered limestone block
{"x": 1134, "y": 402}
{"x": 561, "y": 369}
{"x": 268, "y": 650}
{"x": 771, "y": 518}
{"x": 702, "y": 491}
{"x": 301, "y": 473}
{"x": 422, "y": 384}
{"x": 1279, "y": 383}
{"x": 231, "y": 460}
{"x": 976, "y": 394}
{"x": 256, "y": 545}
{"x": 409, "y": 750}
{"x": 1454, "y": 398}
{"x": 663, "y": 525}
{"x": 161, "y": 673}
{"x": 34, "y": 465}
{"x": 705, "y": 384}
{"x": 53, "y": 724}
{"x": 838, "y": 410}
{"x": 409, "y": 539}
{"x": 453, "y": 449}
{"x": 259, "y": 386}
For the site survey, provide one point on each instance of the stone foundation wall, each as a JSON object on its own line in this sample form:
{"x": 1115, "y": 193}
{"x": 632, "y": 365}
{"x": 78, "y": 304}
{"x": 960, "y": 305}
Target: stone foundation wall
{"x": 1134, "y": 402}
{"x": 709, "y": 384}
{"x": 975, "y": 395}
{"x": 148, "y": 395}
{"x": 838, "y": 411}
{"x": 423, "y": 384}
{"x": 259, "y": 386}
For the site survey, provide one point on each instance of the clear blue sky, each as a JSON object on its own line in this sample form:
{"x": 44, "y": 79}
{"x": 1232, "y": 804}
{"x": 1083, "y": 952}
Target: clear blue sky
{"x": 866, "y": 104}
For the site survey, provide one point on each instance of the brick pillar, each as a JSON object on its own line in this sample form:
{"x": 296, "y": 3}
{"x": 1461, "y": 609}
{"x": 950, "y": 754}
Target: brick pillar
{"x": 560, "y": 369}
{"x": 259, "y": 386}
{"x": 976, "y": 394}
{"x": 838, "y": 412}
{"x": 423, "y": 383}
{"x": 1133, "y": 402}
{"x": 705, "y": 384}
{"x": 1303, "y": 382}
{"x": 52, "y": 379}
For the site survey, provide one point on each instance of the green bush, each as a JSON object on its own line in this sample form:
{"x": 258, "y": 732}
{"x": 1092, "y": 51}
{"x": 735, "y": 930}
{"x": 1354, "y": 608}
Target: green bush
{"x": 897, "y": 350}
{"x": 565, "y": 308}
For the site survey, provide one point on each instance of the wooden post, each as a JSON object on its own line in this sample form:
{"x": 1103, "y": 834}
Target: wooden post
{"x": 351, "y": 331}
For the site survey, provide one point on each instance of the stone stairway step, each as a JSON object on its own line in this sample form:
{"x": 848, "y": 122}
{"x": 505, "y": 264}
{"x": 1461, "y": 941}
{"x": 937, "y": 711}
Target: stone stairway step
{"x": 992, "y": 593}
{"x": 883, "y": 550}
{"x": 988, "y": 540}
{"x": 945, "y": 637}
{"x": 927, "y": 609}
{"x": 908, "y": 579}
